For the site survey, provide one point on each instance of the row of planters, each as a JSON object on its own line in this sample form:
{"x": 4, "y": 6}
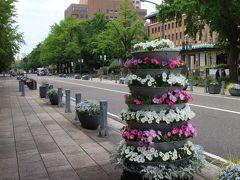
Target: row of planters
{"x": 31, "y": 83}
{"x": 88, "y": 111}
{"x": 214, "y": 87}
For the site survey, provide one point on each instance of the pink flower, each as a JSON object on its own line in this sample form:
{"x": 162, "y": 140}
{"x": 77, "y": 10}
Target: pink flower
{"x": 150, "y": 139}
{"x": 187, "y": 133}
{"x": 175, "y": 131}
{"x": 137, "y": 101}
{"x": 172, "y": 65}
{"x": 173, "y": 98}
{"x": 159, "y": 133}
{"x": 140, "y": 135}
{"x": 135, "y": 62}
{"x": 155, "y": 101}
{"x": 126, "y": 64}
{"x": 164, "y": 63}
{"x": 140, "y": 143}
{"x": 145, "y": 60}
{"x": 134, "y": 132}
{"x": 131, "y": 137}
{"x": 155, "y": 61}
{"x": 152, "y": 133}
{"x": 169, "y": 103}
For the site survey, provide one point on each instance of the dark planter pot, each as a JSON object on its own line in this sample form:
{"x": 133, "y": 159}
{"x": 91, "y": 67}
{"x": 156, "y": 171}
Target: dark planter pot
{"x": 214, "y": 89}
{"x": 155, "y": 72}
{"x": 43, "y": 91}
{"x": 89, "y": 122}
{"x": 163, "y": 127}
{"x": 152, "y": 91}
{"x": 32, "y": 85}
{"x": 53, "y": 99}
{"x": 161, "y": 55}
{"x": 163, "y": 146}
{"x": 234, "y": 92}
{"x": 155, "y": 107}
{"x": 129, "y": 175}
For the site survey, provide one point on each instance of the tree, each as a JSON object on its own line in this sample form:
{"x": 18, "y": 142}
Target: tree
{"x": 10, "y": 39}
{"x": 128, "y": 28}
{"x": 34, "y": 57}
{"x": 223, "y": 17}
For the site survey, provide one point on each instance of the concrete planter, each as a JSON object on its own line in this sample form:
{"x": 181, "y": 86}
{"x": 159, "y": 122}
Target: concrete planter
{"x": 214, "y": 89}
{"x": 53, "y": 99}
{"x": 89, "y": 122}
{"x": 43, "y": 91}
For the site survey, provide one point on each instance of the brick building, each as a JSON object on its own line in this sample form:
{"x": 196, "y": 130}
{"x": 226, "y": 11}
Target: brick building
{"x": 87, "y": 8}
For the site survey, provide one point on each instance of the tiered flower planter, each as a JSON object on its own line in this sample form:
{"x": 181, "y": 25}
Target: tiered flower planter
{"x": 155, "y": 144}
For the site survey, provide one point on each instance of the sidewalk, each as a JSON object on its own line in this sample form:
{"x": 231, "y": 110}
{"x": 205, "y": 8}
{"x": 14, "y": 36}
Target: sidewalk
{"x": 41, "y": 142}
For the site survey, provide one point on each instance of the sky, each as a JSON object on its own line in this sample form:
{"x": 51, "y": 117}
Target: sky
{"x": 35, "y": 17}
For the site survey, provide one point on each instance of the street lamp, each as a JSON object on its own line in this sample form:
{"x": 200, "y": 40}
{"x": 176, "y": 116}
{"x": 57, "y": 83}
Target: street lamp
{"x": 80, "y": 61}
{"x": 103, "y": 58}
{"x": 186, "y": 46}
{"x": 149, "y": 2}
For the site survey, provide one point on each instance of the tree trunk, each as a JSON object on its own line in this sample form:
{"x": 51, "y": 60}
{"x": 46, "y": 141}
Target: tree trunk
{"x": 58, "y": 68}
{"x": 70, "y": 67}
{"x": 233, "y": 62}
{"x": 61, "y": 68}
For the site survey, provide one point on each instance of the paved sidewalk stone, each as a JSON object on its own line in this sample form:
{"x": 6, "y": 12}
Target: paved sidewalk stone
{"x": 41, "y": 142}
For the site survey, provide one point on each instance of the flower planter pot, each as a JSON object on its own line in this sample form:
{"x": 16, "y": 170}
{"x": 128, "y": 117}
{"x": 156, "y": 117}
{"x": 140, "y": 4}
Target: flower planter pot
{"x": 214, "y": 89}
{"x": 155, "y": 72}
{"x": 152, "y": 91}
{"x": 163, "y": 127}
{"x": 32, "y": 85}
{"x": 234, "y": 92}
{"x": 43, "y": 91}
{"x": 89, "y": 122}
{"x": 53, "y": 99}
{"x": 161, "y": 55}
{"x": 163, "y": 146}
{"x": 155, "y": 107}
{"x": 134, "y": 175}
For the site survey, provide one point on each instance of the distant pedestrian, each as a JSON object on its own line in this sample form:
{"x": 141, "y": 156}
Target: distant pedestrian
{"x": 217, "y": 75}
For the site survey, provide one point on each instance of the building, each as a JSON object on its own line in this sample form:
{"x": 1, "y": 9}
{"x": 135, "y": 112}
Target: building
{"x": 199, "y": 52}
{"x": 175, "y": 31}
{"x": 87, "y": 8}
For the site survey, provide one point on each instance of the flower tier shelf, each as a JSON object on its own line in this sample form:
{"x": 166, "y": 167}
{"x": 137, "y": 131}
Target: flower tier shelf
{"x": 156, "y": 138}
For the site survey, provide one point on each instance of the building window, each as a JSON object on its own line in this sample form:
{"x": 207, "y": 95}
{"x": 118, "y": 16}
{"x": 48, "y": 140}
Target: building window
{"x": 185, "y": 22}
{"x": 152, "y": 30}
{"x": 180, "y": 23}
{"x": 169, "y": 26}
{"x": 165, "y": 37}
{"x": 155, "y": 29}
{"x": 165, "y": 27}
{"x": 176, "y": 36}
{"x": 158, "y": 28}
{"x": 173, "y": 37}
{"x": 176, "y": 24}
{"x": 169, "y": 36}
{"x": 162, "y": 27}
{"x": 172, "y": 25}
{"x": 180, "y": 35}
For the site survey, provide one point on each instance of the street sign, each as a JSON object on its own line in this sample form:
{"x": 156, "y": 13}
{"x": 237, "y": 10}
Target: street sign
{"x": 25, "y": 60}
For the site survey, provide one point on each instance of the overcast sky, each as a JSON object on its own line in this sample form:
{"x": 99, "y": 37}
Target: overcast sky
{"x": 36, "y": 16}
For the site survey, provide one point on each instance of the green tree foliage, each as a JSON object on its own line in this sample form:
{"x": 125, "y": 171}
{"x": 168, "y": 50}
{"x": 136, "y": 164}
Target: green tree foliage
{"x": 64, "y": 43}
{"x": 223, "y": 17}
{"x": 10, "y": 39}
{"x": 34, "y": 57}
{"x": 127, "y": 29}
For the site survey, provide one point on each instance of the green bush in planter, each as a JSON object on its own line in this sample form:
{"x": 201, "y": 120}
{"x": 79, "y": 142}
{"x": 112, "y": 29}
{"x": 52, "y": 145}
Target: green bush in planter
{"x": 88, "y": 114}
{"x": 53, "y": 96}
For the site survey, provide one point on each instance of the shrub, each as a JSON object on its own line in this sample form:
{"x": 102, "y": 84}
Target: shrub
{"x": 52, "y": 92}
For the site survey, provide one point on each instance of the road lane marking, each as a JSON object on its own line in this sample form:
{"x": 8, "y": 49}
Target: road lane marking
{"x": 213, "y": 108}
{"x": 122, "y": 92}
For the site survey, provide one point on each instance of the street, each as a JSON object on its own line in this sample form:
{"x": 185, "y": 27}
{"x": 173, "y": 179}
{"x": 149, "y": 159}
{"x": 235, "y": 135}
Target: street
{"x": 217, "y": 117}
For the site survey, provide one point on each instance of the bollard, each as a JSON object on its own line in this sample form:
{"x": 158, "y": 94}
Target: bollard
{"x": 190, "y": 84}
{"x": 68, "y": 101}
{"x": 103, "y": 119}
{"x": 19, "y": 86}
{"x": 78, "y": 100}
{"x": 222, "y": 88}
{"x": 116, "y": 79}
{"x": 50, "y": 86}
{"x": 60, "y": 97}
{"x": 91, "y": 77}
{"x": 23, "y": 89}
{"x": 206, "y": 86}
{"x": 101, "y": 78}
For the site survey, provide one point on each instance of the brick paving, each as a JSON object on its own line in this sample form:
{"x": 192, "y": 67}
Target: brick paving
{"x": 41, "y": 142}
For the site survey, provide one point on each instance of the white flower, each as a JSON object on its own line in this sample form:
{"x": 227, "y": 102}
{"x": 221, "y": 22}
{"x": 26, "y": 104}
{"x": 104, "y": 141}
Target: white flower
{"x": 166, "y": 157}
{"x": 149, "y": 84}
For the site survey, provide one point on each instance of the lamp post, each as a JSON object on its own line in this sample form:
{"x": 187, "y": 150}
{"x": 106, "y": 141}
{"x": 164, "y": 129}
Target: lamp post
{"x": 80, "y": 61}
{"x": 103, "y": 57}
{"x": 186, "y": 46}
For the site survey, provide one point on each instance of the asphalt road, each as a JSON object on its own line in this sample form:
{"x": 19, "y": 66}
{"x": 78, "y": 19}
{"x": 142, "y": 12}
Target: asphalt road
{"x": 217, "y": 117}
